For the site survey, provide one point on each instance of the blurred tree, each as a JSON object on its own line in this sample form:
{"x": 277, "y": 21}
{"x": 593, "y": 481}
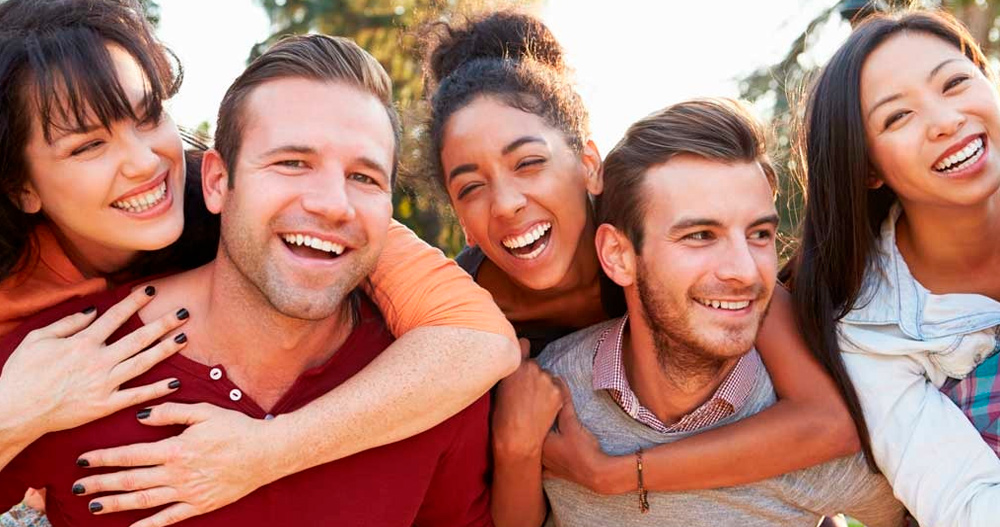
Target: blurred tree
{"x": 386, "y": 28}
{"x": 152, "y": 11}
{"x": 781, "y": 87}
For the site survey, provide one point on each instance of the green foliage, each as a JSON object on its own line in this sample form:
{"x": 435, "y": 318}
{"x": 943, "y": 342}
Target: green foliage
{"x": 387, "y": 29}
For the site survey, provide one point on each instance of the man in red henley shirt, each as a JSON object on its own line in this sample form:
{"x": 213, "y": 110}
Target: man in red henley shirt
{"x": 304, "y": 195}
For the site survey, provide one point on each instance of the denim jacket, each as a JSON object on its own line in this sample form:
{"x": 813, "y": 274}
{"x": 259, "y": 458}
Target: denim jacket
{"x": 901, "y": 343}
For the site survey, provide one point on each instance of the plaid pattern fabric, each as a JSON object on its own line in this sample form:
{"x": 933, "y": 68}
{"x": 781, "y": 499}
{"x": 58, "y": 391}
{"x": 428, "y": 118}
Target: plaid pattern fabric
{"x": 609, "y": 374}
{"x": 23, "y": 516}
{"x": 978, "y": 396}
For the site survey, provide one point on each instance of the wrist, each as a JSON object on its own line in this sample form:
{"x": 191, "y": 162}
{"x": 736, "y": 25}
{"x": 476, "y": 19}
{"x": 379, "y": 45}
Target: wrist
{"x": 516, "y": 450}
{"x": 613, "y": 474}
{"x": 273, "y": 440}
{"x": 20, "y": 423}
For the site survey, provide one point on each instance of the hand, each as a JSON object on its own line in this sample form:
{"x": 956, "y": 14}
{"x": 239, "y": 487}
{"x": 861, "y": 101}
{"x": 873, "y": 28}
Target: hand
{"x": 217, "y": 460}
{"x": 573, "y": 453}
{"x": 526, "y": 406}
{"x": 63, "y": 375}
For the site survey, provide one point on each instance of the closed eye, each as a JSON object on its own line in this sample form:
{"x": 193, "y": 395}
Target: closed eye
{"x": 955, "y": 81}
{"x": 895, "y": 117}
{"x": 291, "y": 163}
{"x": 464, "y": 191}
{"x": 86, "y": 147}
{"x": 531, "y": 161}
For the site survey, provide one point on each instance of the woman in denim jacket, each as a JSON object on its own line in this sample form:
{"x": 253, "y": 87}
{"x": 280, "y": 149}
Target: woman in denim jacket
{"x": 894, "y": 281}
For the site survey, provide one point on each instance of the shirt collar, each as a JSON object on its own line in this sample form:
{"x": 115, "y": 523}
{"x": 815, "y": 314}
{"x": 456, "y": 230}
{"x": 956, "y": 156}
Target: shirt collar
{"x": 729, "y": 397}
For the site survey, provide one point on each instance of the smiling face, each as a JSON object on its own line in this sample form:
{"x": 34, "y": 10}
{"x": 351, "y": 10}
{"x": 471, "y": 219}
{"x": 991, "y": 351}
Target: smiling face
{"x": 932, "y": 121}
{"x": 307, "y": 215}
{"x": 109, "y": 192}
{"x": 519, "y": 191}
{"x": 708, "y": 266}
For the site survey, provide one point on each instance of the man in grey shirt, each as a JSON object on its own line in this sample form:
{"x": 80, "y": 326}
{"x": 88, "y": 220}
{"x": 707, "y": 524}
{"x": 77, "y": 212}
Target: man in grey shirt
{"x": 687, "y": 229}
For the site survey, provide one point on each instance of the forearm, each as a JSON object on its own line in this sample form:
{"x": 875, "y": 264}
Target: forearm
{"x": 425, "y": 377}
{"x": 18, "y": 428}
{"x": 518, "y": 499}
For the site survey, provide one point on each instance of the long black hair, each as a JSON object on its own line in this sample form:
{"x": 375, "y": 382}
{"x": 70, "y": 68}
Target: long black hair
{"x": 842, "y": 214}
{"x": 54, "y": 64}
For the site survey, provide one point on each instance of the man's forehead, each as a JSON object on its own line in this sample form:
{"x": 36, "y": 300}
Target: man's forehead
{"x": 690, "y": 186}
{"x": 317, "y": 114}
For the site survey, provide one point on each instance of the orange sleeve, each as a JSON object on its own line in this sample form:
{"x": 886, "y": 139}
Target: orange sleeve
{"x": 415, "y": 285}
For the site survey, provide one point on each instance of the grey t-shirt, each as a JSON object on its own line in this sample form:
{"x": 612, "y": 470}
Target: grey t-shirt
{"x": 844, "y": 485}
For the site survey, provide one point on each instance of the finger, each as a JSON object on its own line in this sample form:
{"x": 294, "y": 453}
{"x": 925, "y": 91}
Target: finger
{"x": 178, "y": 414}
{"x": 135, "y": 396}
{"x": 567, "y": 415}
{"x": 118, "y": 314}
{"x": 64, "y": 327}
{"x": 142, "y": 499}
{"x": 145, "y": 336}
{"x": 525, "y": 347}
{"x": 169, "y": 516}
{"x": 139, "y": 363}
{"x": 137, "y": 455}
{"x": 121, "y": 481}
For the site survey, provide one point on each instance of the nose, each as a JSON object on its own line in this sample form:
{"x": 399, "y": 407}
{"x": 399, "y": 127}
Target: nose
{"x": 508, "y": 199}
{"x": 944, "y": 121}
{"x": 327, "y": 196}
{"x": 738, "y": 265}
{"x": 141, "y": 160}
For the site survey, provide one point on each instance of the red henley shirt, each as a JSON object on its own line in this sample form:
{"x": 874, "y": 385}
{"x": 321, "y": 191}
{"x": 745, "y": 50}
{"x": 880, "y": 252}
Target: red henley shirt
{"x": 434, "y": 478}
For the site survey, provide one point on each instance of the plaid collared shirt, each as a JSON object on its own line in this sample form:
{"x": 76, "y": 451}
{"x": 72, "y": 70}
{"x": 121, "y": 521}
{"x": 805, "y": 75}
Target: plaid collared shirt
{"x": 978, "y": 396}
{"x": 609, "y": 374}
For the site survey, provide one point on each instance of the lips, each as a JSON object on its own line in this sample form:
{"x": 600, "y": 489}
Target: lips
{"x": 961, "y": 155}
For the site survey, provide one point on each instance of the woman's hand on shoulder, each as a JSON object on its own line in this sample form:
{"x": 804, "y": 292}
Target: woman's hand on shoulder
{"x": 63, "y": 375}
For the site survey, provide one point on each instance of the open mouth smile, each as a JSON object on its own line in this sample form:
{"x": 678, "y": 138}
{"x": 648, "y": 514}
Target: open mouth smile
{"x": 529, "y": 245}
{"x": 308, "y": 246}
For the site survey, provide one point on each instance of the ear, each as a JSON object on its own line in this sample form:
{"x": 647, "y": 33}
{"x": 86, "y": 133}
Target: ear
{"x": 874, "y": 181}
{"x": 616, "y": 253}
{"x": 469, "y": 240}
{"x": 591, "y": 159}
{"x": 28, "y": 200}
{"x": 214, "y": 181}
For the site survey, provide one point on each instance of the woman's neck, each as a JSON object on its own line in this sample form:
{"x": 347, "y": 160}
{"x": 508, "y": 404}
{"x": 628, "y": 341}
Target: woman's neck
{"x": 944, "y": 248}
{"x": 92, "y": 259}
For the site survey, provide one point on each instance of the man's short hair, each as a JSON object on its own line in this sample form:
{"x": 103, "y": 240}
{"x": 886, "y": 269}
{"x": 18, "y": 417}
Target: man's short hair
{"x": 313, "y": 57}
{"x": 715, "y": 129}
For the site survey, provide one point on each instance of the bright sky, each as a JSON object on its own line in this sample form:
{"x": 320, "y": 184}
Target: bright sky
{"x": 631, "y": 57}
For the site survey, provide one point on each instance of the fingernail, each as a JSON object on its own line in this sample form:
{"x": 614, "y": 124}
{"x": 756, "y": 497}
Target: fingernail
{"x": 150, "y": 290}
{"x": 181, "y": 338}
{"x": 78, "y": 489}
{"x": 144, "y": 413}
{"x": 174, "y": 384}
{"x": 82, "y": 462}
{"x": 182, "y": 314}
{"x": 89, "y": 310}
{"x": 96, "y": 507}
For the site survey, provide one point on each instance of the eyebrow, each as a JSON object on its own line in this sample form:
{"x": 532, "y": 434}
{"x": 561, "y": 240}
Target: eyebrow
{"x": 66, "y": 132}
{"x": 289, "y": 149}
{"x": 689, "y": 223}
{"x": 513, "y": 145}
{"x": 896, "y": 96}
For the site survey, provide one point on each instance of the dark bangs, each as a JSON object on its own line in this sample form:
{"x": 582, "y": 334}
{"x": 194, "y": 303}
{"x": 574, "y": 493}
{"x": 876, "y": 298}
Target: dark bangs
{"x": 74, "y": 86}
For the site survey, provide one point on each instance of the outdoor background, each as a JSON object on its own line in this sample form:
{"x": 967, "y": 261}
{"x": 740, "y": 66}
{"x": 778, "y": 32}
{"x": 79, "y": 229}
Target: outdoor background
{"x": 631, "y": 57}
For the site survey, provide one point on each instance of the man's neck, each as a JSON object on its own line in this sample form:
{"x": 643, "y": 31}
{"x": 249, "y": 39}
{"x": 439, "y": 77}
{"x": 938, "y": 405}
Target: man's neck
{"x": 232, "y": 324}
{"x": 677, "y": 384}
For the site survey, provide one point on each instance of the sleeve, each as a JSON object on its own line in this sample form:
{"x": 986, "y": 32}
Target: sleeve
{"x": 937, "y": 463}
{"x": 415, "y": 285}
{"x": 458, "y": 494}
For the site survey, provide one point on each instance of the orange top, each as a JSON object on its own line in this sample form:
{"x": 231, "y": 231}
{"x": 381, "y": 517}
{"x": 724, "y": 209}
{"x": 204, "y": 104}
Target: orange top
{"x": 414, "y": 285}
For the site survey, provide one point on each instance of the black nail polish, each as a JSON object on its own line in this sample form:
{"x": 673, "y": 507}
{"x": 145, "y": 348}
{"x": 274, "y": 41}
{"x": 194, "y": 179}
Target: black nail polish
{"x": 150, "y": 290}
{"x": 182, "y": 314}
{"x": 78, "y": 489}
{"x": 96, "y": 507}
{"x": 181, "y": 338}
{"x": 144, "y": 413}
{"x": 89, "y": 310}
{"x": 82, "y": 462}
{"x": 174, "y": 384}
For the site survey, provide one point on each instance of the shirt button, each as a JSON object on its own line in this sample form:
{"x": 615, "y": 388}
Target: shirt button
{"x": 235, "y": 394}
{"x": 215, "y": 374}
{"x": 268, "y": 417}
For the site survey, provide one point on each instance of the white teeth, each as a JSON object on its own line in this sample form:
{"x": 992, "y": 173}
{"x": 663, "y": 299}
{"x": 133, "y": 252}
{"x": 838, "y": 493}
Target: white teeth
{"x": 721, "y": 304}
{"x": 142, "y": 202}
{"x": 963, "y": 158}
{"x": 320, "y": 245}
{"x": 516, "y": 242}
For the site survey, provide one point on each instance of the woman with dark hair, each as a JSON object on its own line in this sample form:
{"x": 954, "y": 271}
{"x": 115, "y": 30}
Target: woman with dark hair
{"x": 895, "y": 281}
{"x": 509, "y": 143}
{"x": 92, "y": 174}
